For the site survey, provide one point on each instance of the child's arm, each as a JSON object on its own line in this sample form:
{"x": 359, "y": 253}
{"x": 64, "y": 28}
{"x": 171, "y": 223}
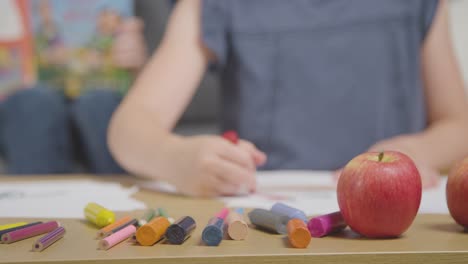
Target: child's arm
{"x": 140, "y": 135}
{"x": 446, "y": 138}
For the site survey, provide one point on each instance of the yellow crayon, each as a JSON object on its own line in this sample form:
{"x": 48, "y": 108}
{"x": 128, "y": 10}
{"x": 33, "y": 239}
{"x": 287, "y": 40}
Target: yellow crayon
{"x": 98, "y": 215}
{"x": 8, "y": 226}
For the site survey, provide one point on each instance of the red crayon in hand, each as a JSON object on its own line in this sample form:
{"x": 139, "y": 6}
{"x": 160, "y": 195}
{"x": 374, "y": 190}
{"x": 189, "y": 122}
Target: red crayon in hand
{"x": 232, "y": 136}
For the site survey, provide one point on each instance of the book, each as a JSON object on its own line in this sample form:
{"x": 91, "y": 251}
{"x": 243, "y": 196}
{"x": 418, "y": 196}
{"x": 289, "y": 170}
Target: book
{"x": 16, "y": 55}
{"x": 73, "y": 43}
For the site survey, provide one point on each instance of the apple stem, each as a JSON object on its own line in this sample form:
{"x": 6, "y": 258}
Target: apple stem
{"x": 381, "y": 154}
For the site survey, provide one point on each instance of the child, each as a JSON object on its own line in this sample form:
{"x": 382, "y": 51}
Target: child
{"x": 308, "y": 84}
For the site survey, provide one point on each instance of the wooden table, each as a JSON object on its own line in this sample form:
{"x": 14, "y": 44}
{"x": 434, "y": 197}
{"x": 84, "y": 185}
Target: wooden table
{"x": 431, "y": 239}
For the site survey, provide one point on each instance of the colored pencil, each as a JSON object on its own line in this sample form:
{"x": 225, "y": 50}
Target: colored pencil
{"x": 47, "y": 240}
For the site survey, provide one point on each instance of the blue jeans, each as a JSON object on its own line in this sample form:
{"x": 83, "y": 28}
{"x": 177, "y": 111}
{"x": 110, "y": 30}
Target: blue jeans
{"x": 43, "y": 133}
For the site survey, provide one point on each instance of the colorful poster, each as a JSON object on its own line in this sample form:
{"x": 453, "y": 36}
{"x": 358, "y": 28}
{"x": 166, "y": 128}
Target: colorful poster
{"x": 73, "y": 43}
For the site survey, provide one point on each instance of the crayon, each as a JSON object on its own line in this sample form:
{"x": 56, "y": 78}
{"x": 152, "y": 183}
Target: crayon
{"x": 237, "y": 227}
{"x": 99, "y": 215}
{"x": 326, "y": 224}
{"x": 181, "y": 230}
{"x": 298, "y": 234}
{"x": 152, "y": 232}
{"x": 269, "y": 221}
{"x": 231, "y": 136}
{"x": 289, "y": 211}
{"x": 213, "y": 233}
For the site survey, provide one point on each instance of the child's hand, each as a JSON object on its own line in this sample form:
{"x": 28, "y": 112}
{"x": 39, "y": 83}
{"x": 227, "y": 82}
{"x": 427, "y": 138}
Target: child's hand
{"x": 210, "y": 166}
{"x": 129, "y": 48}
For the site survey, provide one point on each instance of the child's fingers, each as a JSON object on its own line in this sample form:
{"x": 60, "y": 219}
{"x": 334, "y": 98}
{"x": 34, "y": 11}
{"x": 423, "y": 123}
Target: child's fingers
{"x": 236, "y": 155}
{"x": 210, "y": 186}
{"x": 430, "y": 178}
{"x": 227, "y": 189}
{"x": 232, "y": 173}
{"x": 218, "y": 187}
{"x": 258, "y": 156}
{"x": 428, "y": 183}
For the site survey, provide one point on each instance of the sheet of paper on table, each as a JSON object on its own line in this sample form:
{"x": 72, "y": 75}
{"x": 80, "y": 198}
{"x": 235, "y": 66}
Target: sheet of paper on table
{"x": 311, "y": 191}
{"x": 63, "y": 198}
{"x": 314, "y": 192}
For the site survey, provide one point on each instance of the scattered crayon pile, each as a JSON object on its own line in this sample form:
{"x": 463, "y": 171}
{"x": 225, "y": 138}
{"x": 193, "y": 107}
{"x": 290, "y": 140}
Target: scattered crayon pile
{"x": 151, "y": 228}
{"x": 283, "y": 219}
{"x": 156, "y": 226}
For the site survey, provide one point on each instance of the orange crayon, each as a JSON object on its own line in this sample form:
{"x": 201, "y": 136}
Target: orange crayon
{"x": 152, "y": 232}
{"x": 298, "y": 234}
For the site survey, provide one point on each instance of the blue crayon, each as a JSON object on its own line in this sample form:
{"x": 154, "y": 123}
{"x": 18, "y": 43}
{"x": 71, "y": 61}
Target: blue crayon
{"x": 290, "y": 212}
{"x": 213, "y": 233}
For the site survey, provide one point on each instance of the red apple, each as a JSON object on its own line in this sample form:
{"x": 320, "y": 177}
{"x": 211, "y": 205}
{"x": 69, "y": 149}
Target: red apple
{"x": 379, "y": 193}
{"x": 457, "y": 192}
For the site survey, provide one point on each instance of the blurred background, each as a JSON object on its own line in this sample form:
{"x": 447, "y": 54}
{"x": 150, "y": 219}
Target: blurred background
{"x": 202, "y": 114}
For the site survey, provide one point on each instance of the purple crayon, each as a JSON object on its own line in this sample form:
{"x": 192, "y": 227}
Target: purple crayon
{"x": 47, "y": 240}
{"x": 323, "y": 225}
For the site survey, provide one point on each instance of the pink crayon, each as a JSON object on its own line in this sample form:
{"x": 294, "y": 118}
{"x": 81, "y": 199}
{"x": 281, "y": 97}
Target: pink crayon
{"x": 117, "y": 237}
{"x": 28, "y": 232}
{"x": 223, "y": 213}
{"x": 326, "y": 224}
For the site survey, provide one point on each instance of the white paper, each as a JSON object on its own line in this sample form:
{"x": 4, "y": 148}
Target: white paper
{"x": 63, "y": 198}
{"x": 433, "y": 200}
{"x": 314, "y": 192}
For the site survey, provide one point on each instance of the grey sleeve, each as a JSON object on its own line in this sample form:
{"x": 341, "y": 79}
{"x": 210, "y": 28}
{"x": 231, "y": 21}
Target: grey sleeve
{"x": 214, "y": 27}
{"x": 428, "y": 13}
